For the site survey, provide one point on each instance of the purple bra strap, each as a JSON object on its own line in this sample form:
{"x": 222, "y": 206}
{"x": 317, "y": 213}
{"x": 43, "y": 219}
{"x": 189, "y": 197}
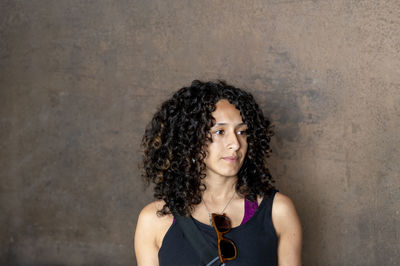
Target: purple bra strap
{"x": 250, "y": 208}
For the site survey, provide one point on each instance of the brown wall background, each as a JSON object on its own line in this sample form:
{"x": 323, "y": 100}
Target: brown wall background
{"x": 80, "y": 79}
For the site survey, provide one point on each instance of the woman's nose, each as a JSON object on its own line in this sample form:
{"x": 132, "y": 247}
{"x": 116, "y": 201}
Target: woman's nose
{"x": 233, "y": 141}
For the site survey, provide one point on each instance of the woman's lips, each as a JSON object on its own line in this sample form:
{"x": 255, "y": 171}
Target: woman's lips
{"x": 230, "y": 158}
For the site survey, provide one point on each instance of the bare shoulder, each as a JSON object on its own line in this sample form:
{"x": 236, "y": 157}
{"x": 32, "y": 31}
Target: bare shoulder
{"x": 282, "y": 205}
{"x": 149, "y": 217}
{"x": 151, "y": 227}
{"x": 149, "y": 212}
{"x": 288, "y": 229}
{"x": 284, "y": 214}
{"x": 279, "y": 199}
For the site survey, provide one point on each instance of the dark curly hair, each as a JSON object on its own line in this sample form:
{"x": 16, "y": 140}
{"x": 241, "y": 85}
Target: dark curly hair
{"x": 174, "y": 146}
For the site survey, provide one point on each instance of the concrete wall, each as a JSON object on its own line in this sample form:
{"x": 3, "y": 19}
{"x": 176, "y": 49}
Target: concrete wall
{"x": 79, "y": 81}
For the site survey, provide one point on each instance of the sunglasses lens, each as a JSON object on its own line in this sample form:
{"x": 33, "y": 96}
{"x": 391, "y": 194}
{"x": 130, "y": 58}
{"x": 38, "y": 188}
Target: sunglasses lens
{"x": 227, "y": 249}
{"x": 223, "y": 223}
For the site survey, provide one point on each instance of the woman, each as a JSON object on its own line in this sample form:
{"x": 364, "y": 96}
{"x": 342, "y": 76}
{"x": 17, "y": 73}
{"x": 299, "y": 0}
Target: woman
{"x": 205, "y": 150}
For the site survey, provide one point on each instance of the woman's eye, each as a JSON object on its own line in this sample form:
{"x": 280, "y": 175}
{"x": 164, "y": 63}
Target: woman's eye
{"x": 242, "y": 132}
{"x": 219, "y": 132}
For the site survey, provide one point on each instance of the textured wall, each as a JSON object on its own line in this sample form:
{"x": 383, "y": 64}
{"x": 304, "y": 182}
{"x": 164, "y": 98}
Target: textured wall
{"x": 79, "y": 81}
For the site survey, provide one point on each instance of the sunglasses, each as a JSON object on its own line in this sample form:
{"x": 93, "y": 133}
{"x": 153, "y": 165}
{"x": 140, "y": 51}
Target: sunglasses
{"x": 226, "y": 248}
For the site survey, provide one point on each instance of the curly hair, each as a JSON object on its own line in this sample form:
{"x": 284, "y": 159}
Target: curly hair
{"x": 175, "y": 140}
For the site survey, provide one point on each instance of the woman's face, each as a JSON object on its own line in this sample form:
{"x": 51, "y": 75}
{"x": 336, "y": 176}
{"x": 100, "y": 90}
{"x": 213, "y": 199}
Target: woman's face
{"x": 225, "y": 155}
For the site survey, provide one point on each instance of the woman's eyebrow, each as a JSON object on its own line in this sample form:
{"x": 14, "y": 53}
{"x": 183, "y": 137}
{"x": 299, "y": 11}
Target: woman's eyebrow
{"x": 223, "y": 124}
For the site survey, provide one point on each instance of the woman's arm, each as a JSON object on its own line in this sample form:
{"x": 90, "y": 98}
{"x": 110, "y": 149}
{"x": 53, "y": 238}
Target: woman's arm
{"x": 146, "y": 248}
{"x": 288, "y": 228}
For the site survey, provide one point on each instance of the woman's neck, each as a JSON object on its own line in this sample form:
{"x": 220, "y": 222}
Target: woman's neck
{"x": 218, "y": 190}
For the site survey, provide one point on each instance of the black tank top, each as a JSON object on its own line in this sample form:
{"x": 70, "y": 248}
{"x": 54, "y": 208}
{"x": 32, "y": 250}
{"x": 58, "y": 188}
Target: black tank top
{"x": 256, "y": 241}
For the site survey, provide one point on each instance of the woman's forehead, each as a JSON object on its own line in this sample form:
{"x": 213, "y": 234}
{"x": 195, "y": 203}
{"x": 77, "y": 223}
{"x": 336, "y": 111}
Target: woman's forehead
{"x": 226, "y": 114}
